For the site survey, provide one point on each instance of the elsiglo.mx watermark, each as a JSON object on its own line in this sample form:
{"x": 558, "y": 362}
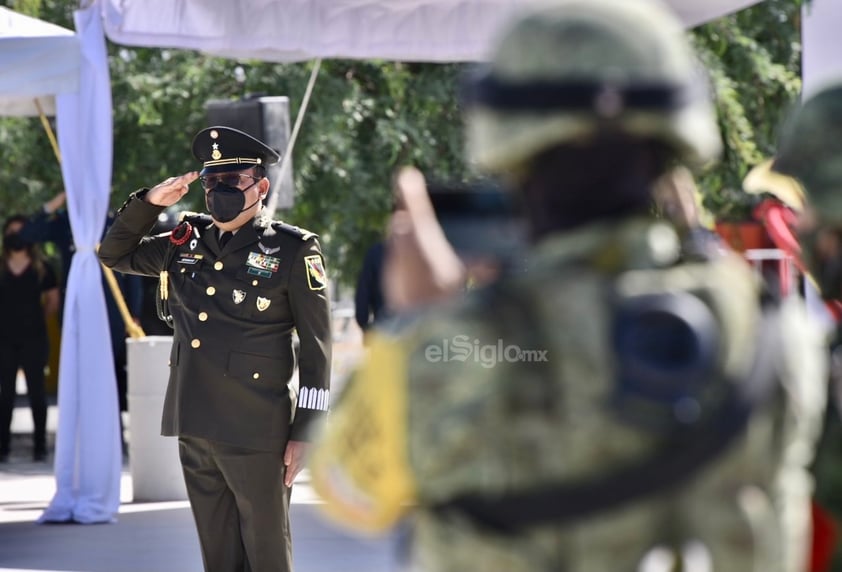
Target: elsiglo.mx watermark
{"x": 462, "y": 348}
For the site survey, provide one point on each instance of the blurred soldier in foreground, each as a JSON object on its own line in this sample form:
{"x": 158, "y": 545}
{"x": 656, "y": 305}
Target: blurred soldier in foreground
{"x": 810, "y": 150}
{"x": 621, "y": 406}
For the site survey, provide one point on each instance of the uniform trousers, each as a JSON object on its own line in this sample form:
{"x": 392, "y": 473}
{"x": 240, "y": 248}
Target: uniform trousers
{"x": 240, "y": 505}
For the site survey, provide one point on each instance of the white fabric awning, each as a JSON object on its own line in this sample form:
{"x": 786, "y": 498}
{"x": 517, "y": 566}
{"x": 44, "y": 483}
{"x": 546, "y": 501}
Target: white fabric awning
{"x": 294, "y": 30}
{"x": 37, "y": 59}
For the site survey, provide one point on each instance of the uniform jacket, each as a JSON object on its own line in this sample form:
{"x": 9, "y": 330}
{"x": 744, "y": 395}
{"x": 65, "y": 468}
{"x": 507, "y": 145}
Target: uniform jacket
{"x": 234, "y": 311}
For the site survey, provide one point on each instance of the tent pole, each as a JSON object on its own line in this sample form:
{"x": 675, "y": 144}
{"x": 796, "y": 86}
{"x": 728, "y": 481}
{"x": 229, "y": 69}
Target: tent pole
{"x": 273, "y": 200}
{"x": 132, "y": 329}
{"x": 50, "y": 135}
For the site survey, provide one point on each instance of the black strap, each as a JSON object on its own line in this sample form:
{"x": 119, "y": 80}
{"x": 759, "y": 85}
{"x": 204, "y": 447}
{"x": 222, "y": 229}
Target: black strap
{"x": 673, "y": 463}
{"x": 490, "y": 91}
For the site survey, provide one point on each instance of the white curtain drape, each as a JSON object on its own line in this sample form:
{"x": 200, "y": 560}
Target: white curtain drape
{"x": 88, "y": 458}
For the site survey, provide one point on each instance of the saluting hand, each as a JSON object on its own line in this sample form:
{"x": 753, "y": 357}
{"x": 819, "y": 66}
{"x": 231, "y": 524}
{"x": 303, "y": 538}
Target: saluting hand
{"x": 294, "y": 458}
{"x": 170, "y": 191}
{"x": 421, "y": 265}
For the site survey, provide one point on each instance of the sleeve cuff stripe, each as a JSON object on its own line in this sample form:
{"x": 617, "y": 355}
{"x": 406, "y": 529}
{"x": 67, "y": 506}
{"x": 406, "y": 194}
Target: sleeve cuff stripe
{"x": 312, "y": 398}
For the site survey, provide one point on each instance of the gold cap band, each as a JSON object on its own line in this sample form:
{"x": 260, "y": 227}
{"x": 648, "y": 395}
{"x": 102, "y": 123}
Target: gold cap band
{"x": 233, "y": 161}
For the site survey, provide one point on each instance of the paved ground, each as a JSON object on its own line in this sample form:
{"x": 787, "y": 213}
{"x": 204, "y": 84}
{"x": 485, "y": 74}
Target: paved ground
{"x": 148, "y": 537}
{"x": 154, "y": 537}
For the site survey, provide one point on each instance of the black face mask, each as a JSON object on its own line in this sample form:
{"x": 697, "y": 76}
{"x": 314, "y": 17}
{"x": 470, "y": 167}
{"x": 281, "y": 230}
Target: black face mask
{"x": 14, "y": 242}
{"x": 225, "y": 202}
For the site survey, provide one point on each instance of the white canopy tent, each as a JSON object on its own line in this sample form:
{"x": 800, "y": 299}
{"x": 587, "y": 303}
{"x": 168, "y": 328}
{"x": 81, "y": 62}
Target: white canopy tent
{"x": 293, "y": 30}
{"x": 68, "y": 74}
{"x": 37, "y": 60}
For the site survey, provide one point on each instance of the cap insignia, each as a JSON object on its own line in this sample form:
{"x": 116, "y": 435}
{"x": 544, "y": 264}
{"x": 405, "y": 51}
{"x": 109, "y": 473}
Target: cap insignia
{"x": 214, "y": 134}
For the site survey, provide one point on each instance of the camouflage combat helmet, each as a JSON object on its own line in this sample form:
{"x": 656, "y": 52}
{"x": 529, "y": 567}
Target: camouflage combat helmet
{"x": 568, "y": 68}
{"x": 810, "y": 150}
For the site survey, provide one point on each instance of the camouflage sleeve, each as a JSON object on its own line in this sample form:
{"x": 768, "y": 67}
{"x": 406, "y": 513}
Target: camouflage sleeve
{"x": 311, "y": 313}
{"x": 360, "y": 465}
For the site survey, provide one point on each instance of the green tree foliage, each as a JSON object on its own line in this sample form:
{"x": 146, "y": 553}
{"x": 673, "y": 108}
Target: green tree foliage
{"x": 368, "y": 117}
{"x": 754, "y": 61}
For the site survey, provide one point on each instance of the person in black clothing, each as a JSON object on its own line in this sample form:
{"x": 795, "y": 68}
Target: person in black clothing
{"x": 368, "y": 297}
{"x": 52, "y": 224}
{"x": 28, "y": 292}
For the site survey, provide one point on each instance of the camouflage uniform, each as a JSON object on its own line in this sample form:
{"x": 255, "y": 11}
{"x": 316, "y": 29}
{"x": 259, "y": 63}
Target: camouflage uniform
{"x": 418, "y": 426}
{"x": 810, "y": 149}
{"x": 514, "y": 389}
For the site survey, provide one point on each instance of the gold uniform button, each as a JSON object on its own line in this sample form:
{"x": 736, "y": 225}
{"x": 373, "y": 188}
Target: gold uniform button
{"x": 183, "y": 270}
{"x": 217, "y": 265}
{"x": 196, "y": 343}
{"x": 210, "y": 291}
{"x": 203, "y": 316}
{"x": 256, "y": 375}
{"x": 254, "y": 282}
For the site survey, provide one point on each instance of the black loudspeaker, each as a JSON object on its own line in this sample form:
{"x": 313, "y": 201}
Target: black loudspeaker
{"x": 267, "y": 119}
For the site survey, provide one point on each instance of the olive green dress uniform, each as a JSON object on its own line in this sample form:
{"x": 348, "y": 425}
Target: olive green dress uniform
{"x": 234, "y": 311}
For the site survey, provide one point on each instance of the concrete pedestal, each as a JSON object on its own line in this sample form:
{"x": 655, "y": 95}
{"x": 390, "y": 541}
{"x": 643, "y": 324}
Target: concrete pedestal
{"x": 153, "y": 459}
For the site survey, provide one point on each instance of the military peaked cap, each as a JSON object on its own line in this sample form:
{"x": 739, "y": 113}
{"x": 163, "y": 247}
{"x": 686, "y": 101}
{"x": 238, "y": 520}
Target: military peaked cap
{"x": 222, "y": 148}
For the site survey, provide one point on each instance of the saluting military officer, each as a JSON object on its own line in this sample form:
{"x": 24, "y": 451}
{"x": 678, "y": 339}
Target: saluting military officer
{"x": 236, "y": 286}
